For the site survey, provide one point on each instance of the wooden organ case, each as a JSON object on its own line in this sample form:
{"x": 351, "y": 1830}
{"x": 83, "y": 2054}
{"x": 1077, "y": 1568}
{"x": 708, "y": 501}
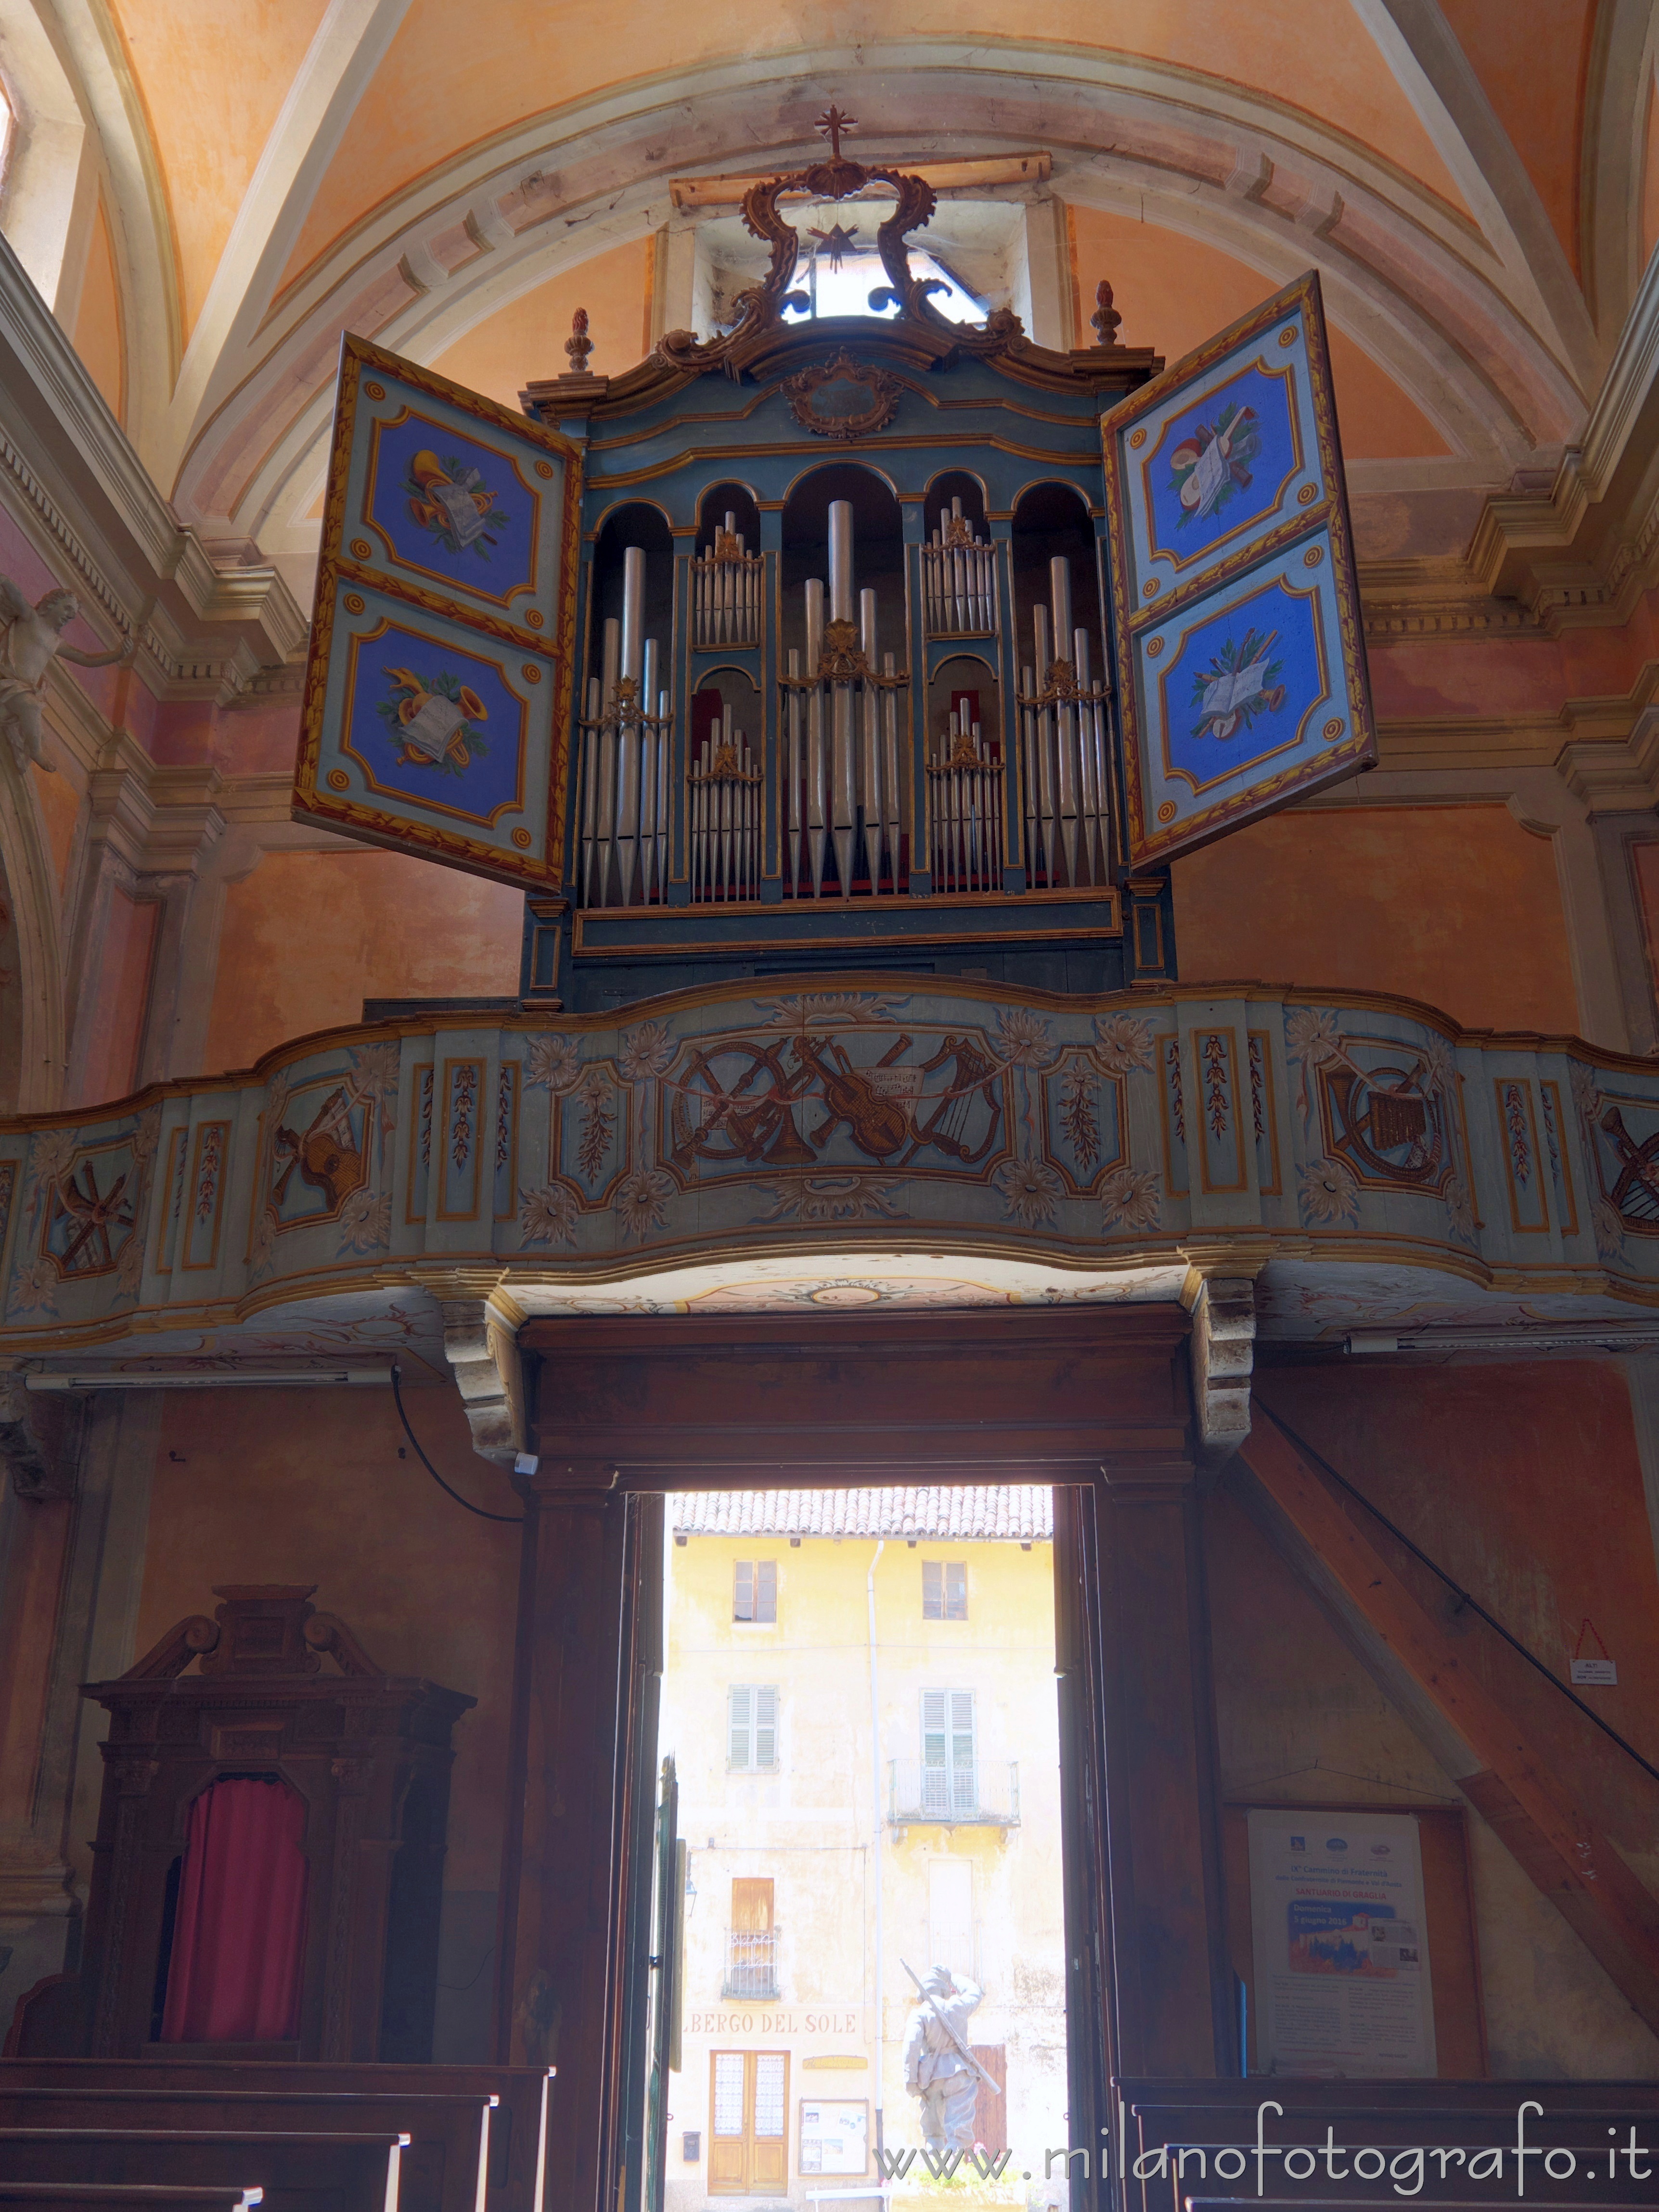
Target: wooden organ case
{"x": 841, "y": 697}
{"x": 369, "y": 1755}
{"x": 838, "y": 642}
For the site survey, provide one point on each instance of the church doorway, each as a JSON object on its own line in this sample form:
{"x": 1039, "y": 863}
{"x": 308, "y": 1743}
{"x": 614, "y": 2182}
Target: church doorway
{"x": 858, "y": 1938}
{"x": 640, "y": 1426}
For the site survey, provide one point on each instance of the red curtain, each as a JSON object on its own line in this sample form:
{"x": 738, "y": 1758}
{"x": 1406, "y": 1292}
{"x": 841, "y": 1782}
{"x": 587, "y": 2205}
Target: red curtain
{"x": 238, "y": 1936}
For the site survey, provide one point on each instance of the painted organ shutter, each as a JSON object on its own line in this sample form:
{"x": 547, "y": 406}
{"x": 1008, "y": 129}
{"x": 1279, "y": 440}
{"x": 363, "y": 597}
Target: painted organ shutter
{"x": 437, "y": 700}
{"x": 949, "y": 1780}
{"x": 1239, "y": 658}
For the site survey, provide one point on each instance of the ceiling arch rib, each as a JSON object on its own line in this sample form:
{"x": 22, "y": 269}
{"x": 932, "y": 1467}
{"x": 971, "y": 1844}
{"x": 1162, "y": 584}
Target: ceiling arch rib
{"x": 1435, "y": 74}
{"x": 348, "y": 45}
{"x": 140, "y": 236}
{"x": 416, "y": 273}
{"x": 1621, "y": 78}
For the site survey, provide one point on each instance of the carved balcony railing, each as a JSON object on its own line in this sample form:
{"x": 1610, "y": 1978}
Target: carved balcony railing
{"x": 1376, "y": 1162}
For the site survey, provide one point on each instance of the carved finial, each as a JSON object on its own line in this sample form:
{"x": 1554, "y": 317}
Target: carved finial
{"x": 1105, "y": 318}
{"x": 578, "y": 345}
{"x": 830, "y": 124}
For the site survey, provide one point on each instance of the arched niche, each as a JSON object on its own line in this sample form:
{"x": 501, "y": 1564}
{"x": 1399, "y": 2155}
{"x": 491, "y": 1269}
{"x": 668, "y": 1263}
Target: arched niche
{"x": 954, "y": 491}
{"x": 967, "y": 679}
{"x": 733, "y": 694}
{"x": 716, "y": 503}
{"x": 636, "y": 523}
{"x": 877, "y": 550}
{"x": 1052, "y": 521}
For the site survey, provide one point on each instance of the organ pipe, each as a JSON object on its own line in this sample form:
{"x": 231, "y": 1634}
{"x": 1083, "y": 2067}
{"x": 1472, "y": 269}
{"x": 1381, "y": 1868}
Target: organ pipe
{"x": 623, "y": 772}
{"x": 958, "y": 573}
{"x": 1063, "y": 747}
{"x": 842, "y": 733}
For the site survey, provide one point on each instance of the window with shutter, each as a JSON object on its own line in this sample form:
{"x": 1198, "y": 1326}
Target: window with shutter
{"x": 950, "y": 1780}
{"x": 740, "y": 1715}
{"x": 751, "y": 1727}
{"x": 766, "y": 1728}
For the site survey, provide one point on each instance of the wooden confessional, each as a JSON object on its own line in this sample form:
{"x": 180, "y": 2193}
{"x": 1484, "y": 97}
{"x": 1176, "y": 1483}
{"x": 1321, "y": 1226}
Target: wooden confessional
{"x": 368, "y": 1754}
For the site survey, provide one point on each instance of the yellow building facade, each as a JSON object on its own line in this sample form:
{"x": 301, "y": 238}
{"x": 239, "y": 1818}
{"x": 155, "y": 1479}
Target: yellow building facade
{"x": 859, "y": 1696}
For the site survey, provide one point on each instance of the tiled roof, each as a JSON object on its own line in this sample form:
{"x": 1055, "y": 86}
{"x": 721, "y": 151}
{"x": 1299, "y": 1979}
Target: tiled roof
{"x": 1009, "y": 1512}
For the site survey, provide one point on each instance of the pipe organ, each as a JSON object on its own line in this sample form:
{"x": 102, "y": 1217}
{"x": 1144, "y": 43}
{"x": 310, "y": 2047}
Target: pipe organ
{"x": 843, "y": 627}
{"x": 900, "y": 571}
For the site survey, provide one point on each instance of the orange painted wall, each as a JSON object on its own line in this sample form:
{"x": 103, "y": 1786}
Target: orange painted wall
{"x": 120, "y": 992}
{"x": 1173, "y": 292}
{"x": 525, "y": 338}
{"x": 504, "y": 69}
{"x": 1456, "y": 905}
{"x": 97, "y": 320}
{"x": 1531, "y": 57}
{"x": 307, "y": 1486}
{"x": 308, "y": 936}
{"x": 212, "y": 77}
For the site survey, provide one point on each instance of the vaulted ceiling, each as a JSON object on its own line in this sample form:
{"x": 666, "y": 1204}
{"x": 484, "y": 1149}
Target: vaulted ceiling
{"x": 1473, "y": 178}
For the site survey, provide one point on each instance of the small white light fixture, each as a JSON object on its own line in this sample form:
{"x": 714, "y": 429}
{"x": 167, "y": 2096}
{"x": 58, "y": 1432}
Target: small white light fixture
{"x": 212, "y": 1379}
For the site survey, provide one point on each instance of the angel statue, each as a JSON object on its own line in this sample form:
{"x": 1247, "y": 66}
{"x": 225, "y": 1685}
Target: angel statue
{"x": 33, "y": 639}
{"x": 940, "y": 2066}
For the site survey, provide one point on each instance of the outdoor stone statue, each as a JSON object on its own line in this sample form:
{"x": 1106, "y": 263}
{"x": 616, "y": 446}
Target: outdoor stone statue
{"x": 939, "y": 2067}
{"x": 33, "y": 639}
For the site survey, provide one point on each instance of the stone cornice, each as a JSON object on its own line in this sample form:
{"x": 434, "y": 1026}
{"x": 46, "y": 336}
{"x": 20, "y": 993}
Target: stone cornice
{"x": 72, "y": 479}
{"x": 1577, "y": 557}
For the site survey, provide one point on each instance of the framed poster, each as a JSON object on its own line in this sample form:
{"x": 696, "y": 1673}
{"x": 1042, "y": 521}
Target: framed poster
{"x": 834, "y": 2136}
{"x": 437, "y": 700}
{"x": 1343, "y": 1981}
{"x": 1240, "y": 660}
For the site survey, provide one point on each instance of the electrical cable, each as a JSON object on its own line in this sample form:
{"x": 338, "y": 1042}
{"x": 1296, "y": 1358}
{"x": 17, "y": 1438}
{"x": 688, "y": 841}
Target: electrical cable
{"x": 1464, "y": 1597}
{"x": 512, "y": 1519}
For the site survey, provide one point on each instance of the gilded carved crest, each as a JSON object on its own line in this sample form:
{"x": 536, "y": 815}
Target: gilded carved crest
{"x": 839, "y": 379}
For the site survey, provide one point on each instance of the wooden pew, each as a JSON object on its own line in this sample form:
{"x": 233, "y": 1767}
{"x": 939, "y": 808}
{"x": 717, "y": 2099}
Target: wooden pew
{"x": 90, "y": 2197}
{"x": 518, "y": 2132}
{"x": 443, "y": 2169}
{"x": 297, "y": 2172}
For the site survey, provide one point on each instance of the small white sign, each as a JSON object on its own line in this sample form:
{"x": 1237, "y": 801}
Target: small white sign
{"x": 1594, "y": 1670}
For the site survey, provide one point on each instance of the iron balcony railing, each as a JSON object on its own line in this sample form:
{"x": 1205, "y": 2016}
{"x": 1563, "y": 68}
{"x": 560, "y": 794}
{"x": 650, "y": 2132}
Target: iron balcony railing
{"x": 985, "y": 1795}
{"x": 752, "y": 1963}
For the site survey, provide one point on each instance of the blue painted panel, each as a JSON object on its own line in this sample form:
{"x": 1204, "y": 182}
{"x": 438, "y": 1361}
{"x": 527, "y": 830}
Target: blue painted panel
{"x": 438, "y": 694}
{"x": 438, "y": 730}
{"x": 1240, "y": 662}
{"x": 1242, "y": 694}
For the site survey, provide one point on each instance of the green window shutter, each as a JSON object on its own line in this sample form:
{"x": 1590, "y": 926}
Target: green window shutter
{"x": 933, "y": 1733}
{"x": 766, "y": 1728}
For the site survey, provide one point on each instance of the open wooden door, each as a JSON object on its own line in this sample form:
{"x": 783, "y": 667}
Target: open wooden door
{"x": 1241, "y": 664}
{"x": 437, "y": 702}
